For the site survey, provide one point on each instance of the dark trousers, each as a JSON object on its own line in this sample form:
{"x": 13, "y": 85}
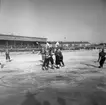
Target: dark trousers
{"x": 102, "y": 62}
{"x": 46, "y": 62}
{"x": 61, "y": 61}
{"x": 51, "y": 60}
{"x": 57, "y": 60}
{"x": 7, "y": 56}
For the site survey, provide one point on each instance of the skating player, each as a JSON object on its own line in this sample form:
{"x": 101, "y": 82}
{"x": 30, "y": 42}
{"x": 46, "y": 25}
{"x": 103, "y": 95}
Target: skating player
{"x": 101, "y": 58}
{"x": 7, "y": 55}
{"x": 61, "y": 58}
{"x": 51, "y": 58}
{"x": 57, "y": 60}
{"x": 43, "y": 54}
{"x": 46, "y": 61}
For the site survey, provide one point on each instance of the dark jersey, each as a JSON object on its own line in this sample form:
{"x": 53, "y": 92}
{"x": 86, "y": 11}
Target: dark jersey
{"x": 56, "y": 53}
{"x": 60, "y": 54}
{"x": 51, "y": 53}
{"x": 102, "y": 55}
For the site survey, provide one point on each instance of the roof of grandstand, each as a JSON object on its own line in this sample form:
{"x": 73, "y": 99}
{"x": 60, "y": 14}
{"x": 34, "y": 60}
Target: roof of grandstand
{"x": 21, "y": 38}
{"x": 69, "y": 42}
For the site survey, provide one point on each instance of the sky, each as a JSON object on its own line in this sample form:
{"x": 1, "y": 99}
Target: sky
{"x": 65, "y": 20}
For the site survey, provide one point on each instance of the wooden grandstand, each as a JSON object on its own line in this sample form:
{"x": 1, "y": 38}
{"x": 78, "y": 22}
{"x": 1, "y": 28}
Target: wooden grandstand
{"x": 14, "y": 42}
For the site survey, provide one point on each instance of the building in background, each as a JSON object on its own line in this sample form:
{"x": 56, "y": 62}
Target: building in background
{"x": 70, "y": 45}
{"x": 14, "y": 42}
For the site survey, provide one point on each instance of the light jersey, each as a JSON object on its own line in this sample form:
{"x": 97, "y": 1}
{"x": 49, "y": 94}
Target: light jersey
{"x": 43, "y": 51}
{"x": 7, "y": 52}
{"x": 47, "y": 54}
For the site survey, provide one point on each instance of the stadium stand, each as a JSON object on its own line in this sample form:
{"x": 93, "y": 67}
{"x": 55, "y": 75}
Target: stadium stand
{"x": 18, "y": 43}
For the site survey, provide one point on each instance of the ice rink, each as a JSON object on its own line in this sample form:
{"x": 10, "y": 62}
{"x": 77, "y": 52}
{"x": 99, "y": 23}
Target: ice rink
{"x": 80, "y": 82}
